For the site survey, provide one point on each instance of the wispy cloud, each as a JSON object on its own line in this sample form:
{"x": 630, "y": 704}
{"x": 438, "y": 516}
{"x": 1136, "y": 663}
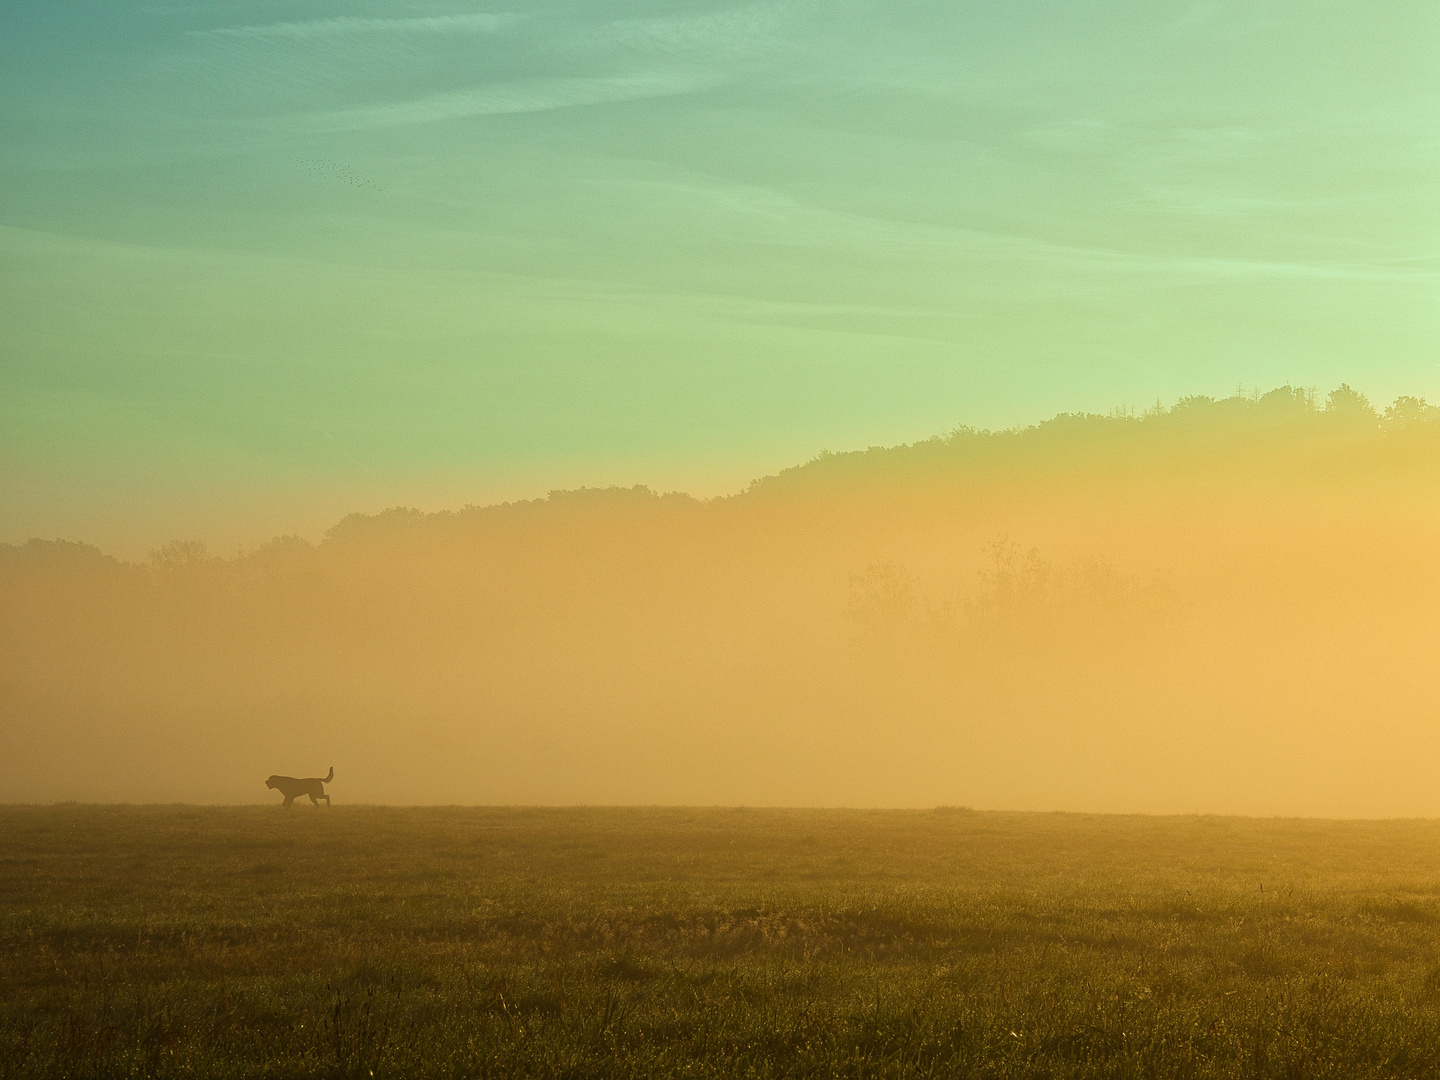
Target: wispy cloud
{"x": 737, "y": 27}
{"x": 347, "y": 26}
{"x": 528, "y": 96}
{"x": 1069, "y": 134}
{"x": 768, "y": 215}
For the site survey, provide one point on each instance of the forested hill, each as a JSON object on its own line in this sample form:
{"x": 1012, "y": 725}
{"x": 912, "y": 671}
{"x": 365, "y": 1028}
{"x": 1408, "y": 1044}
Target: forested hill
{"x": 1288, "y": 433}
{"x": 1287, "y": 430}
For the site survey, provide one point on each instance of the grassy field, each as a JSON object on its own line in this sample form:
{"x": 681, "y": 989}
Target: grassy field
{"x": 218, "y": 942}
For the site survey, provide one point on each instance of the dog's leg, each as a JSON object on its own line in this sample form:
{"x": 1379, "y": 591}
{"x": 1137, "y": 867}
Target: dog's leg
{"x": 289, "y": 801}
{"x": 314, "y": 801}
{"x": 325, "y": 797}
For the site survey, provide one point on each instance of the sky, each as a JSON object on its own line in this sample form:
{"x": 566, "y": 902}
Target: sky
{"x": 265, "y": 264}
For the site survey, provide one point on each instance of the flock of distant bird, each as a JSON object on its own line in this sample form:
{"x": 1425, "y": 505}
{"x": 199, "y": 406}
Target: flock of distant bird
{"x": 334, "y": 170}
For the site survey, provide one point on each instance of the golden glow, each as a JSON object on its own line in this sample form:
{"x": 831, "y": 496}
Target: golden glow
{"x": 1226, "y": 606}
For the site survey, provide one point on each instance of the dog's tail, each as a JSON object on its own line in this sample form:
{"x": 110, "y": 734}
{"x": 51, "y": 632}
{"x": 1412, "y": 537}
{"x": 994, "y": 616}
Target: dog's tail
{"x": 331, "y": 776}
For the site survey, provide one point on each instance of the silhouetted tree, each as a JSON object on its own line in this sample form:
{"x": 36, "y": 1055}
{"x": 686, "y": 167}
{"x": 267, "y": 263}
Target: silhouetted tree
{"x": 180, "y": 555}
{"x": 1409, "y": 414}
{"x": 884, "y": 600}
{"x": 1347, "y": 404}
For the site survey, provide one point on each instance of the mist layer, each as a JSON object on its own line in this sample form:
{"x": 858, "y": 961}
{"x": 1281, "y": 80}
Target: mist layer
{"x": 1224, "y": 606}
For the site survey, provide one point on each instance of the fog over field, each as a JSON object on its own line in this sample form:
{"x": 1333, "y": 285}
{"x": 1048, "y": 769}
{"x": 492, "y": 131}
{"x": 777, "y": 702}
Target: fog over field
{"x": 1226, "y": 606}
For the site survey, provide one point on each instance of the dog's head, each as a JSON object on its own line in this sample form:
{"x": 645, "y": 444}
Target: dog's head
{"x": 272, "y": 781}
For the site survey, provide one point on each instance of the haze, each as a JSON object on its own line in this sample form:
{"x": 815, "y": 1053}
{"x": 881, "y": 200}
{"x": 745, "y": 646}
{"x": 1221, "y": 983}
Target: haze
{"x": 272, "y": 270}
{"x": 1223, "y": 606}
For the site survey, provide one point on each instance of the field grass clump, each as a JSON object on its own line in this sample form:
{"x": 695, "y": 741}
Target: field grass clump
{"x": 255, "y": 942}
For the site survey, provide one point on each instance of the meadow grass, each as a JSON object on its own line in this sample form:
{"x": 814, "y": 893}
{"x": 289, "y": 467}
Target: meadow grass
{"x": 451, "y": 942}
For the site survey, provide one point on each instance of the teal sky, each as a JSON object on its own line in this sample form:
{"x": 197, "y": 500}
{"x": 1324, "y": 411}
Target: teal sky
{"x": 263, "y": 264}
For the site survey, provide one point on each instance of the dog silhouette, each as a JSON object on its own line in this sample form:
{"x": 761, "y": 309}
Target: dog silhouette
{"x": 291, "y": 788}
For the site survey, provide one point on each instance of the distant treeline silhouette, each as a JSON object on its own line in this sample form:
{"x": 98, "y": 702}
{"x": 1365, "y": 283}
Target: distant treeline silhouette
{"x": 1286, "y": 430}
{"x": 1090, "y": 608}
